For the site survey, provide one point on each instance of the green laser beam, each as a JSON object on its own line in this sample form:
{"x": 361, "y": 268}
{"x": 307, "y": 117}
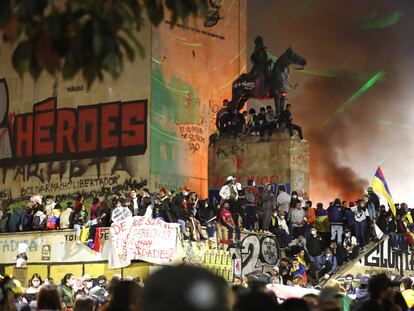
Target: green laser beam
{"x": 372, "y": 21}
{"x": 388, "y": 123}
{"x": 341, "y": 109}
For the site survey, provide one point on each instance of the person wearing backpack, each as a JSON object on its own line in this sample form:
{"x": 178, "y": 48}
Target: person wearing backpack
{"x": 39, "y": 219}
{"x": 252, "y": 197}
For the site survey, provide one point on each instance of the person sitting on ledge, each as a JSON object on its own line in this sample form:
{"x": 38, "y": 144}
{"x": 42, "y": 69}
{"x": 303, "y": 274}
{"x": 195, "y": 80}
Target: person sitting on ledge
{"x": 286, "y": 119}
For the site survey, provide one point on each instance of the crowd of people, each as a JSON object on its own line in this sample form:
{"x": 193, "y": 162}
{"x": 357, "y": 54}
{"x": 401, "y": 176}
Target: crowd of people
{"x": 251, "y": 122}
{"x": 191, "y": 288}
{"x": 315, "y": 239}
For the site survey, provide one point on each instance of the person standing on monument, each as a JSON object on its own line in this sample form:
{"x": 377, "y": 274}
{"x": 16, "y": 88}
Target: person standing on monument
{"x": 283, "y": 199}
{"x": 252, "y": 197}
{"x": 268, "y": 203}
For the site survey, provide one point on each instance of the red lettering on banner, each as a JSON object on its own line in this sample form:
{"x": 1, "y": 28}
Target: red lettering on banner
{"x": 24, "y": 135}
{"x": 133, "y": 132}
{"x": 110, "y": 121}
{"x": 43, "y": 139}
{"x": 119, "y": 227}
{"x": 50, "y": 134}
{"x": 66, "y": 124}
{"x": 87, "y": 129}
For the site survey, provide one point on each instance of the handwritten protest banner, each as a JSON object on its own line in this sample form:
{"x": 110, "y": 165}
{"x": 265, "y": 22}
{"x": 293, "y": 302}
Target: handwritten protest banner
{"x": 142, "y": 238}
{"x": 120, "y": 213}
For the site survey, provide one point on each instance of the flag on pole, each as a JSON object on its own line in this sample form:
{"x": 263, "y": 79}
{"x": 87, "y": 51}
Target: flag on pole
{"x": 380, "y": 186}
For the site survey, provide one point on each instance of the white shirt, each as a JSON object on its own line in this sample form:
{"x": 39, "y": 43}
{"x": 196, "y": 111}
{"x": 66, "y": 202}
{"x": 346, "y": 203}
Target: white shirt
{"x": 283, "y": 199}
{"x": 225, "y": 192}
{"x": 135, "y": 205}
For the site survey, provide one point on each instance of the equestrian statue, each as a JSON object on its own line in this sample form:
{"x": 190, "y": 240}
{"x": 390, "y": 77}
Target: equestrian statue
{"x": 267, "y": 79}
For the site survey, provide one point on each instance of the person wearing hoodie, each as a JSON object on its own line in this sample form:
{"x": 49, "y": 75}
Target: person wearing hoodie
{"x": 382, "y": 219}
{"x": 314, "y": 245}
{"x": 276, "y": 277}
{"x": 349, "y": 216}
{"x": 361, "y": 223}
{"x": 15, "y": 220}
{"x": 335, "y": 216}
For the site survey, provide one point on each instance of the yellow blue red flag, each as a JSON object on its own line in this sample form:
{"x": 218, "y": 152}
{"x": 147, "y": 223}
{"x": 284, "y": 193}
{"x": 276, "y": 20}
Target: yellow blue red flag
{"x": 380, "y": 186}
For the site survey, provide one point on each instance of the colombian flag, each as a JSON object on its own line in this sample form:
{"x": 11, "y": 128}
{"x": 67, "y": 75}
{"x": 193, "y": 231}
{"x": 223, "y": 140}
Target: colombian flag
{"x": 380, "y": 186}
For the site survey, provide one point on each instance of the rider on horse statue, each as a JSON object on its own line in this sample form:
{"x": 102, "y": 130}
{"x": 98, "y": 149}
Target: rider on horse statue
{"x": 260, "y": 63}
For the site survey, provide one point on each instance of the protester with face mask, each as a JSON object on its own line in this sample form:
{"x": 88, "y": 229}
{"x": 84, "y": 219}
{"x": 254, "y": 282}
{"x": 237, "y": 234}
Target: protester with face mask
{"x": 87, "y": 284}
{"x": 33, "y": 287}
{"x": 328, "y": 264}
{"x": 351, "y": 244}
{"x": 66, "y": 291}
{"x": 314, "y": 245}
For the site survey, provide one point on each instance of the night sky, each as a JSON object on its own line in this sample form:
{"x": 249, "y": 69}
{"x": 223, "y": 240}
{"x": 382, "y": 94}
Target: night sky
{"x": 347, "y": 44}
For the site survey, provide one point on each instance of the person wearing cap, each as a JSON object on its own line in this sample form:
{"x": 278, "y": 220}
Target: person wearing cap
{"x": 228, "y": 191}
{"x": 276, "y": 277}
{"x": 381, "y": 295}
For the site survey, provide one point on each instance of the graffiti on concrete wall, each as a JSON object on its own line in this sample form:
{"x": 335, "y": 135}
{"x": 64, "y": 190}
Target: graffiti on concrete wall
{"x": 194, "y": 135}
{"x": 256, "y": 251}
{"x": 55, "y": 150}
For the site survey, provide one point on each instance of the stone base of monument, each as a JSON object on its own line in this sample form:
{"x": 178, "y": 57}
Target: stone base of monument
{"x": 281, "y": 160}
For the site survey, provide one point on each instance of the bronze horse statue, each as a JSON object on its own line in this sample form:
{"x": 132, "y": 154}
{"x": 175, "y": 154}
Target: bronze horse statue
{"x": 250, "y": 85}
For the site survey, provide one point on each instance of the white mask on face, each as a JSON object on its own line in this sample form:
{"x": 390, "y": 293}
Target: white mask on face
{"x": 89, "y": 284}
{"x": 185, "y": 193}
{"x": 313, "y": 232}
{"x": 348, "y": 234}
{"x": 294, "y": 196}
{"x": 36, "y": 283}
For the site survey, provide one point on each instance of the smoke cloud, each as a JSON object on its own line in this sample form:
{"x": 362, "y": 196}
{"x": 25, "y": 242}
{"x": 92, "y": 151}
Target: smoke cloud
{"x": 343, "y": 54}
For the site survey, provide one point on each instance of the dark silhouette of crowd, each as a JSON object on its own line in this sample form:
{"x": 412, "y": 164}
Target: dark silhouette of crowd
{"x": 241, "y": 124}
{"x": 192, "y": 288}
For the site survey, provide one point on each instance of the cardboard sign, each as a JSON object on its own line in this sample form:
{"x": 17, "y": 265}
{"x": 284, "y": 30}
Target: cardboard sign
{"x": 120, "y": 213}
{"x": 20, "y": 274}
{"x": 147, "y": 239}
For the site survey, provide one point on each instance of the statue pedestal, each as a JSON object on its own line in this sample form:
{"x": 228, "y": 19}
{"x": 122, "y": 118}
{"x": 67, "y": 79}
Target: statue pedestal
{"x": 281, "y": 161}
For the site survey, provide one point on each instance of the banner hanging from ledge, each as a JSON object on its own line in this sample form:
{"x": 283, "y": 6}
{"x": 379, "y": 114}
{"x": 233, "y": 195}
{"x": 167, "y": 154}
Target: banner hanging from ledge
{"x": 141, "y": 238}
